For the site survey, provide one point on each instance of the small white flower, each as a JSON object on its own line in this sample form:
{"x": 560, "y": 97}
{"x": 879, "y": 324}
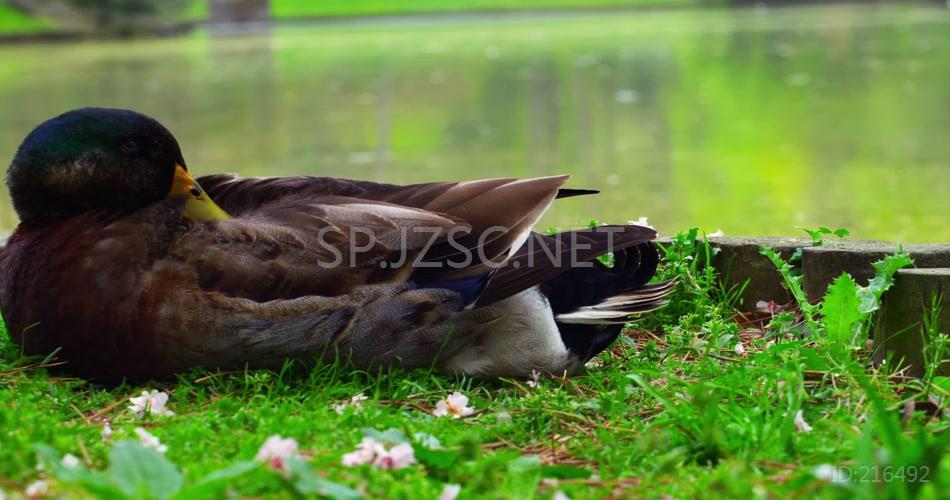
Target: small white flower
{"x": 740, "y": 349}
{"x": 150, "y": 402}
{"x": 37, "y": 489}
{"x": 365, "y": 452}
{"x": 276, "y": 452}
{"x": 150, "y": 441}
{"x": 106, "y": 432}
{"x": 535, "y": 377}
{"x": 455, "y": 405}
{"x": 399, "y": 456}
{"x": 450, "y": 492}
{"x": 69, "y": 460}
{"x": 559, "y": 495}
{"x": 356, "y": 402}
{"x": 800, "y": 424}
{"x": 717, "y": 234}
{"x": 503, "y": 418}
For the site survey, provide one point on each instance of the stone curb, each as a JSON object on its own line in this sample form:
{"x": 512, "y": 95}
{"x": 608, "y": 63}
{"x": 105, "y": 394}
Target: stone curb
{"x": 739, "y": 260}
{"x": 821, "y": 265}
{"x": 897, "y": 335}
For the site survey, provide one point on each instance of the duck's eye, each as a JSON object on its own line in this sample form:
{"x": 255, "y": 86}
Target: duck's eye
{"x": 195, "y": 192}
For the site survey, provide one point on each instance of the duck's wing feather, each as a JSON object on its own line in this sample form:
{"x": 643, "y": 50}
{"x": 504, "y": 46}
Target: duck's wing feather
{"x": 493, "y": 217}
{"x": 325, "y": 246}
{"x": 238, "y": 195}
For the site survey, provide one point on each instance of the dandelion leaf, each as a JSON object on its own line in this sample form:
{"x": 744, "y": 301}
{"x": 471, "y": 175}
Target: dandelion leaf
{"x": 842, "y": 310}
{"x": 141, "y": 472}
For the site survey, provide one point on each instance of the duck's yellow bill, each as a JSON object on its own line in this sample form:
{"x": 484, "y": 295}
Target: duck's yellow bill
{"x": 198, "y": 205}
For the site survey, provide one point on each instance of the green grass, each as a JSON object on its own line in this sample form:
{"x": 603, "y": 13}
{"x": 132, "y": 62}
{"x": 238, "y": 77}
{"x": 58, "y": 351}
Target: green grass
{"x": 289, "y": 9}
{"x": 14, "y": 22}
{"x": 672, "y": 409}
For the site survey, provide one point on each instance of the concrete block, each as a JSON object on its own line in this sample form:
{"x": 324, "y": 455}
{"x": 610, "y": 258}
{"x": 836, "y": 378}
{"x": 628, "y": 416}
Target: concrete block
{"x": 739, "y": 259}
{"x": 898, "y": 333}
{"x": 821, "y": 265}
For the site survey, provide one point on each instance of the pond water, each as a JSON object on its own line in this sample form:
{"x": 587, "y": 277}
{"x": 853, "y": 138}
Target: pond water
{"x": 750, "y": 121}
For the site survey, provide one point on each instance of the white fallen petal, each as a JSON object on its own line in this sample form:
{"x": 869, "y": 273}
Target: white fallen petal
{"x": 450, "y": 492}
{"x": 150, "y": 441}
{"x": 37, "y": 488}
{"x": 355, "y": 401}
{"x": 69, "y": 460}
{"x": 800, "y": 424}
{"x": 150, "y": 403}
{"x": 535, "y": 378}
{"x": 456, "y": 405}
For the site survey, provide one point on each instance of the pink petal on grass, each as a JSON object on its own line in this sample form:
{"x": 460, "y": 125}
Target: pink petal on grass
{"x": 365, "y": 453}
{"x": 399, "y": 456}
{"x": 277, "y": 452}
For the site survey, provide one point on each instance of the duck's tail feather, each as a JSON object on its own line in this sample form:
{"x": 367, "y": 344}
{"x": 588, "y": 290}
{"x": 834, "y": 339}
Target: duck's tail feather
{"x": 554, "y": 261}
{"x": 618, "y": 308}
{"x": 571, "y": 192}
{"x": 591, "y": 305}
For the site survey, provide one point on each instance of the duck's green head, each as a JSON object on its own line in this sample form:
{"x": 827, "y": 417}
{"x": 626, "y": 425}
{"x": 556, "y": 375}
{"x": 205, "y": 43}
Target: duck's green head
{"x": 94, "y": 158}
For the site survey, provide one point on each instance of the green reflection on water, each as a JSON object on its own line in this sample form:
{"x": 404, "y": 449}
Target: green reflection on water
{"x": 750, "y": 121}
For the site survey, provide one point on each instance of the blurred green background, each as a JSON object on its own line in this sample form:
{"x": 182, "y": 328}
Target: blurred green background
{"x": 753, "y": 120}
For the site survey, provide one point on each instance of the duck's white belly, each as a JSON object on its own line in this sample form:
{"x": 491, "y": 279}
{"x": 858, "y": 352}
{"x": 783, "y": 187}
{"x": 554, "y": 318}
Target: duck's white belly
{"x": 525, "y": 339}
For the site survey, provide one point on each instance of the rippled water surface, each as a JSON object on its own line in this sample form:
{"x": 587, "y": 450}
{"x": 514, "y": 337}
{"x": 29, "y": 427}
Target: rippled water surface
{"x": 751, "y": 121}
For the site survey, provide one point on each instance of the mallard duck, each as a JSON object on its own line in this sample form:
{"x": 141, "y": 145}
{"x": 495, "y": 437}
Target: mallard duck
{"x": 132, "y": 268}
